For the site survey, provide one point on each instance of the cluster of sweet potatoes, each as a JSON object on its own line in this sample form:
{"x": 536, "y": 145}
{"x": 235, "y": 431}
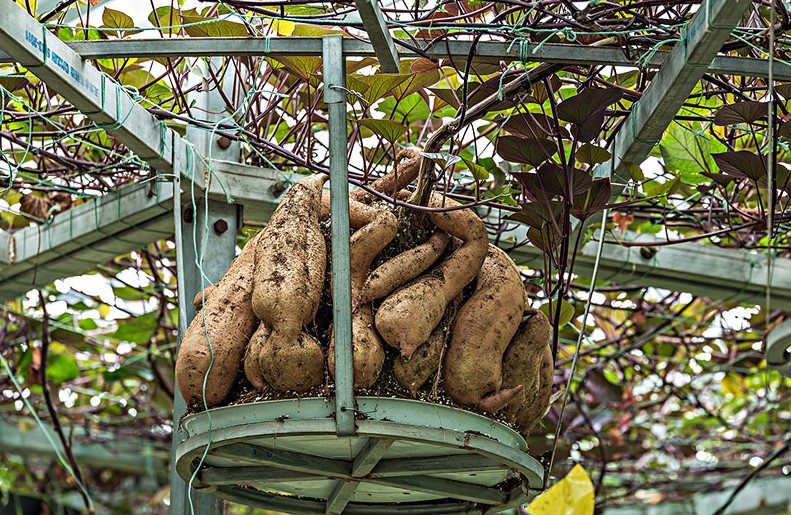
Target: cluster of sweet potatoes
{"x": 451, "y": 306}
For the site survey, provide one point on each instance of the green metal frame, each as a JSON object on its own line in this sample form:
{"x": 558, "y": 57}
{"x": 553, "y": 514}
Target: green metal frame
{"x": 288, "y": 455}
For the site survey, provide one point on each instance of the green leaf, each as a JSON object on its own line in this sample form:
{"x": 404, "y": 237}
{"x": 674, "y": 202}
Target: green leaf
{"x": 61, "y": 367}
{"x": 114, "y": 19}
{"x": 525, "y": 150}
{"x": 566, "y": 312}
{"x": 381, "y": 85}
{"x": 741, "y": 112}
{"x": 592, "y": 154}
{"x": 446, "y": 95}
{"x": 479, "y": 172}
{"x": 661, "y": 189}
{"x": 166, "y": 17}
{"x": 387, "y": 129}
{"x": 212, "y": 29}
{"x": 635, "y": 172}
{"x": 303, "y": 66}
{"x": 685, "y": 150}
{"x": 410, "y": 109}
{"x": 137, "y": 329}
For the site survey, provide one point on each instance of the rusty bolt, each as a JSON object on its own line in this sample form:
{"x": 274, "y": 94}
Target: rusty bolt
{"x": 220, "y": 226}
{"x": 188, "y": 216}
{"x": 223, "y": 142}
{"x": 278, "y": 187}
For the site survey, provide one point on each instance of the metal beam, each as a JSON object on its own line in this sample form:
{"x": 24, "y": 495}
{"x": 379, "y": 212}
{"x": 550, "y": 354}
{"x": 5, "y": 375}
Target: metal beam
{"x": 729, "y": 275}
{"x": 485, "y": 51}
{"x": 702, "y": 38}
{"x": 205, "y": 231}
{"x": 100, "y": 98}
{"x": 133, "y": 455}
{"x": 86, "y": 235}
{"x": 335, "y": 96}
{"x": 380, "y": 37}
{"x": 127, "y": 219}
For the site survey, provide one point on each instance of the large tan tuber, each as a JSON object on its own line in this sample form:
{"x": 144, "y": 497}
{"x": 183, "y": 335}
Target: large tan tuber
{"x": 528, "y": 361}
{"x": 481, "y": 332}
{"x": 404, "y": 267}
{"x": 290, "y": 261}
{"x": 406, "y": 318}
{"x": 377, "y": 228}
{"x": 252, "y": 363}
{"x": 404, "y": 172}
{"x": 413, "y": 373}
{"x": 229, "y": 324}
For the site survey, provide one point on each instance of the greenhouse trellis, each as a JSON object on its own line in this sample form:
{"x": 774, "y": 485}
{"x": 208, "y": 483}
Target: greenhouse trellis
{"x": 218, "y": 189}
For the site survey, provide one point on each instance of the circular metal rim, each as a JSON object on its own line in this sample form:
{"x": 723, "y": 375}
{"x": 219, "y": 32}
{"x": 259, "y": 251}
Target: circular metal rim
{"x": 778, "y": 348}
{"x": 314, "y": 417}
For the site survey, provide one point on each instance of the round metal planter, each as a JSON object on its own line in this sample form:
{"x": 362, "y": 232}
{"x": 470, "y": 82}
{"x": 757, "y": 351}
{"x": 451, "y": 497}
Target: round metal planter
{"x": 405, "y": 457}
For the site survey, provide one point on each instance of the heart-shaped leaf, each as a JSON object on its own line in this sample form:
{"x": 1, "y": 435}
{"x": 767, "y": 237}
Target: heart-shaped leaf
{"x": 381, "y": 85}
{"x": 566, "y": 312}
{"x": 387, "y": 129}
{"x": 592, "y": 154}
{"x": 720, "y": 178}
{"x": 114, "y": 19}
{"x": 442, "y": 159}
{"x": 479, "y": 172}
{"x": 532, "y": 125}
{"x": 742, "y": 164}
{"x": 539, "y": 214}
{"x": 592, "y": 200}
{"x": 525, "y": 150}
{"x": 446, "y": 95}
{"x": 586, "y": 110}
{"x": 741, "y": 112}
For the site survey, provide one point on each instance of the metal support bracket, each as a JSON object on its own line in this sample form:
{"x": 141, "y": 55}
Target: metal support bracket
{"x": 380, "y": 37}
{"x": 335, "y": 96}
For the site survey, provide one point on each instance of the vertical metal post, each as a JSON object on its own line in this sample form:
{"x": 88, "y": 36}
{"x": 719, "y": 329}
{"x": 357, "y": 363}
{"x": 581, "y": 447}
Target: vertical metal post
{"x": 335, "y": 96}
{"x": 205, "y": 247}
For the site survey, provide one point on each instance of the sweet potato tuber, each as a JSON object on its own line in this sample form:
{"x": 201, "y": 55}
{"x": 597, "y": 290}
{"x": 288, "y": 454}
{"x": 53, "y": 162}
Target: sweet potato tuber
{"x": 404, "y": 172}
{"x": 290, "y": 261}
{"x": 252, "y": 366}
{"x": 229, "y": 324}
{"x": 406, "y": 318}
{"x": 403, "y": 268}
{"x": 379, "y": 226}
{"x": 481, "y": 332}
{"x": 413, "y": 373}
{"x": 528, "y": 361}
{"x": 202, "y": 296}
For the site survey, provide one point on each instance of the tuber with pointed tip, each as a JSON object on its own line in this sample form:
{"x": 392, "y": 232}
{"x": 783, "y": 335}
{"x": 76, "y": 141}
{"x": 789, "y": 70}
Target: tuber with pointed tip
{"x": 377, "y": 228}
{"x": 482, "y": 330}
{"x": 229, "y": 323}
{"x": 290, "y": 261}
{"x": 528, "y": 361}
{"x": 406, "y": 318}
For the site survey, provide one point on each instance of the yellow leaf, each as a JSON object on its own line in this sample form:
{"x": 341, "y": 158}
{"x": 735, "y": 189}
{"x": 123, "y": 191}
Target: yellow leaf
{"x": 283, "y": 27}
{"x": 572, "y": 495}
{"x": 104, "y": 310}
{"x": 732, "y": 383}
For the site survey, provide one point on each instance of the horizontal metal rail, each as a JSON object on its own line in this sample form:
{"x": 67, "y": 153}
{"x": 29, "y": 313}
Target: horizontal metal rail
{"x": 485, "y": 51}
